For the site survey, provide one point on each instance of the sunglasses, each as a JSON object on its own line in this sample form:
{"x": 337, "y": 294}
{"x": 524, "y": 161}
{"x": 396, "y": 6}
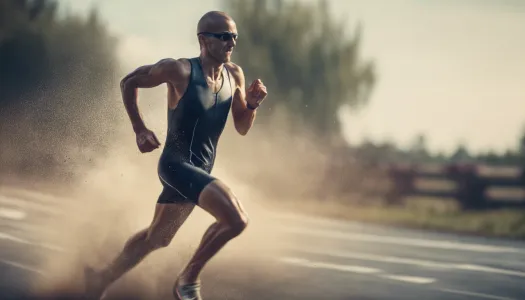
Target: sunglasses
{"x": 223, "y": 36}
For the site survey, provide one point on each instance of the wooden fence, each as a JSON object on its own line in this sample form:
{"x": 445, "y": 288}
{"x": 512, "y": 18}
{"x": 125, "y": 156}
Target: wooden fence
{"x": 473, "y": 186}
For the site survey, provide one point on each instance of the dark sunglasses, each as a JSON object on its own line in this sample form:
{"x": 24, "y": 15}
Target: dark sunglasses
{"x": 223, "y": 36}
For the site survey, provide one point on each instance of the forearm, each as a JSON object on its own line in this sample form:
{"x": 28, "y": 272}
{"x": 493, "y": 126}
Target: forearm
{"x": 130, "y": 99}
{"x": 246, "y": 120}
{"x": 129, "y": 89}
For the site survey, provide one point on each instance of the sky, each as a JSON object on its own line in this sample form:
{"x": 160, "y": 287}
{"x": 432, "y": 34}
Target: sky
{"x": 452, "y": 70}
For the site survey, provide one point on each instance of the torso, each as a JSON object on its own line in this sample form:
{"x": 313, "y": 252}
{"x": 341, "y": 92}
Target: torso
{"x": 196, "y": 121}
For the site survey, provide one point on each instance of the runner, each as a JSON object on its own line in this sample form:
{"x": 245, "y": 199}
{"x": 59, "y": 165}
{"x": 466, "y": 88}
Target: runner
{"x": 201, "y": 92}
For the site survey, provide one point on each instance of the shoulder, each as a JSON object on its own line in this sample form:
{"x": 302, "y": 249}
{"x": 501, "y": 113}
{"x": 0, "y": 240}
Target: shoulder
{"x": 236, "y": 72}
{"x": 172, "y": 67}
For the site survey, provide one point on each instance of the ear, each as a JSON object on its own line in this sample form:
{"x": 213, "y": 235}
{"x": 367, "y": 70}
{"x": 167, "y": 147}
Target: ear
{"x": 201, "y": 40}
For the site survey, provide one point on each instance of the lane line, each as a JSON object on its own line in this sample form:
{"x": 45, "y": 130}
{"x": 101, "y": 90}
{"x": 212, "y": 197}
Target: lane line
{"x": 12, "y": 214}
{"x": 415, "y": 262}
{"x": 33, "y": 196}
{"x": 446, "y": 245}
{"x": 21, "y": 266}
{"x": 479, "y": 295}
{"x": 410, "y": 279}
{"x": 322, "y": 265}
{"x": 28, "y": 205}
{"x": 28, "y": 228}
{"x": 12, "y": 238}
{"x": 355, "y": 269}
{"x": 377, "y": 258}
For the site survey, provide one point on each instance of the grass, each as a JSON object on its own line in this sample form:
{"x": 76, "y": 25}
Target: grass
{"x": 423, "y": 213}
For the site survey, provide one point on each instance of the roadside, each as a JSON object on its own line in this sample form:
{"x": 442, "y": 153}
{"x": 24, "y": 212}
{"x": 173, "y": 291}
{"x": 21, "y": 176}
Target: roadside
{"x": 421, "y": 214}
{"x": 418, "y": 213}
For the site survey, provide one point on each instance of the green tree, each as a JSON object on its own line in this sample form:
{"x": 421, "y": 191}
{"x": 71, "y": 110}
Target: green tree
{"x": 56, "y": 76}
{"x": 309, "y": 63}
{"x": 461, "y": 154}
{"x": 419, "y": 150}
{"x": 521, "y": 148}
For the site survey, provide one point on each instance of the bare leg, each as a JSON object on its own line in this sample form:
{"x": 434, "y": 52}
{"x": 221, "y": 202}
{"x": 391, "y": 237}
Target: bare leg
{"x": 167, "y": 220}
{"x": 219, "y": 201}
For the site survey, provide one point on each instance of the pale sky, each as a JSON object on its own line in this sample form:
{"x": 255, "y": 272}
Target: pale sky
{"x": 454, "y": 70}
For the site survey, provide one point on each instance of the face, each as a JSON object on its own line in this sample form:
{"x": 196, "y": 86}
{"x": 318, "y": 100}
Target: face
{"x": 220, "y": 42}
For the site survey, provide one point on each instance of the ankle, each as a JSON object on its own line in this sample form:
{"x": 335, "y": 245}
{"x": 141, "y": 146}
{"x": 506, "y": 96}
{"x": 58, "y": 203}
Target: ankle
{"x": 188, "y": 278}
{"x": 105, "y": 277}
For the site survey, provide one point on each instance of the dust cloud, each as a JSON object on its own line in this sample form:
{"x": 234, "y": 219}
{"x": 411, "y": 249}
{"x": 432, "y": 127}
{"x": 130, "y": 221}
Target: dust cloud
{"x": 116, "y": 193}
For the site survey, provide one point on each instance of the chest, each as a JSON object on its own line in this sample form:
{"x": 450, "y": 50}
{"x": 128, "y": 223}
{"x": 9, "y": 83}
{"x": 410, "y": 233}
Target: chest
{"x": 207, "y": 103}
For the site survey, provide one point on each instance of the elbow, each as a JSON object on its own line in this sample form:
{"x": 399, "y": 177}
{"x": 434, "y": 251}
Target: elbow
{"x": 242, "y": 130}
{"x": 123, "y": 84}
{"x": 126, "y": 83}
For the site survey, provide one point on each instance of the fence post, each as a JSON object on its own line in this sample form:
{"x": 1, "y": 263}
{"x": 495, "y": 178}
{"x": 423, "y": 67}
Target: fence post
{"x": 402, "y": 184}
{"x": 470, "y": 191}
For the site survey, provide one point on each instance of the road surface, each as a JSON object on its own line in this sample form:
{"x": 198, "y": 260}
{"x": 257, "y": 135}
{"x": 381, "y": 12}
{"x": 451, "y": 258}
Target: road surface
{"x": 318, "y": 259}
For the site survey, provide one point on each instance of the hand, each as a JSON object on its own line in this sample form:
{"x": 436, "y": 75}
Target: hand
{"x": 256, "y": 93}
{"x": 147, "y": 141}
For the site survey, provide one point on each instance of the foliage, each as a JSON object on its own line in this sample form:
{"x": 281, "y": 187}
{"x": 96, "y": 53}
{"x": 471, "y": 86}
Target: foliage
{"x": 56, "y": 73}
{"x": 309, "y": 64}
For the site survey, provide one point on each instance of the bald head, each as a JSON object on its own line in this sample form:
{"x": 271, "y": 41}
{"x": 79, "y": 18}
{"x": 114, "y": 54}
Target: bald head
{"x": 214, "y": 21}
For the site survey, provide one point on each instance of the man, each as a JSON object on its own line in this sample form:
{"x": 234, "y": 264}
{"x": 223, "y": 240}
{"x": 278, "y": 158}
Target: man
{"x": 201, "y": 92}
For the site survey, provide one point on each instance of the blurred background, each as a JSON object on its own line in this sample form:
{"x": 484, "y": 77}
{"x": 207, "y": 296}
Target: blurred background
{"x": 407, "y": 113}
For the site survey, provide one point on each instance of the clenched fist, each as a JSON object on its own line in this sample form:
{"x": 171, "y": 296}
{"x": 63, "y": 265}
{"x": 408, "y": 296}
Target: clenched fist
{"x": 147, "y": 141}
{"x": 255, "y": 94}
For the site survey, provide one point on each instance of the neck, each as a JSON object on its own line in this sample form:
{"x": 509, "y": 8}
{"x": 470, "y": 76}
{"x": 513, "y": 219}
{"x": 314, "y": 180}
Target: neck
{"x": 211, "y": 67}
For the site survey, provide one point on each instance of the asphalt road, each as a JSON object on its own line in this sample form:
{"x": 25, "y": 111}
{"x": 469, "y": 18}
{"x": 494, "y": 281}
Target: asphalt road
{"x": 318, "y": 259}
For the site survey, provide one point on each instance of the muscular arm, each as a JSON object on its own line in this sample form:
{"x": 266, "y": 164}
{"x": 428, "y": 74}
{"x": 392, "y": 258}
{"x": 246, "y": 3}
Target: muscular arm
{"x": 243, "y": 117}
{"x": 147, "y": 76}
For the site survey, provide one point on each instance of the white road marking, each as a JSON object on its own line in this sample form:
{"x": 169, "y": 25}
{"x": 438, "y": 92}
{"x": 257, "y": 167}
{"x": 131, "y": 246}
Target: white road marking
{"x": 5, "y": 236}
{"x": 33, "y": 195}
{"x": 447, "y": 245}
{"x": 377, "y": 258}
{"x": 415, "y": 262}
{"x": 321, "y": 265}
{"x": 410, "y": 279}
{"x": 21, "y": 266}
{"x": 479, "y": 295}
{"x": 30, "y": 228}
{"x": 486, "y": 269}
{"x": 28, "y": 205}
{"x": 355, "y": 269}
{"x": 12, "y": 214}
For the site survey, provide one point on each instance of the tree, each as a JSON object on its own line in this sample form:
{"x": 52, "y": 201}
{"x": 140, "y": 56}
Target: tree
{"x": 56, "y": 76}
{"x": 461, "y": 154}
{"x": 521, "y": 148}
{"x": 418, "y": 149}
{"x": 309, "y": 64}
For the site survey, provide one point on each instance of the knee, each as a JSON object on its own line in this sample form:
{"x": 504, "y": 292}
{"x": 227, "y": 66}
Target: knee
{"x": 157, "y": 240}
{"x": 238, "y": 225}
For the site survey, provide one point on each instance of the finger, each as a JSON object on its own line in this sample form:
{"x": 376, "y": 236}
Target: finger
{"x": 149, "y": 148}
{"x": 156, "y": 140}
{"x": 253, "y": 86}
{"x": 152, "y": 142}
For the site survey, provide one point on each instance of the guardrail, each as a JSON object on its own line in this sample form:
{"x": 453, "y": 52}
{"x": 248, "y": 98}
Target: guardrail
{"x": 473, "y": 186}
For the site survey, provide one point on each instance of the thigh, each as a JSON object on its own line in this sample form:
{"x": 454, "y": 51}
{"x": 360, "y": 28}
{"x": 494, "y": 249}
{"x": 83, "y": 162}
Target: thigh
{"x": 219, "y": 200}
{"x": 168, "y": 218}
{"x": 182, "y": 181}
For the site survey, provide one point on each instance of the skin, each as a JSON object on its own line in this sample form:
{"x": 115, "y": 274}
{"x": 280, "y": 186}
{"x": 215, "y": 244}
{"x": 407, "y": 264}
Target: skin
{"x": 217, "y": 198}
